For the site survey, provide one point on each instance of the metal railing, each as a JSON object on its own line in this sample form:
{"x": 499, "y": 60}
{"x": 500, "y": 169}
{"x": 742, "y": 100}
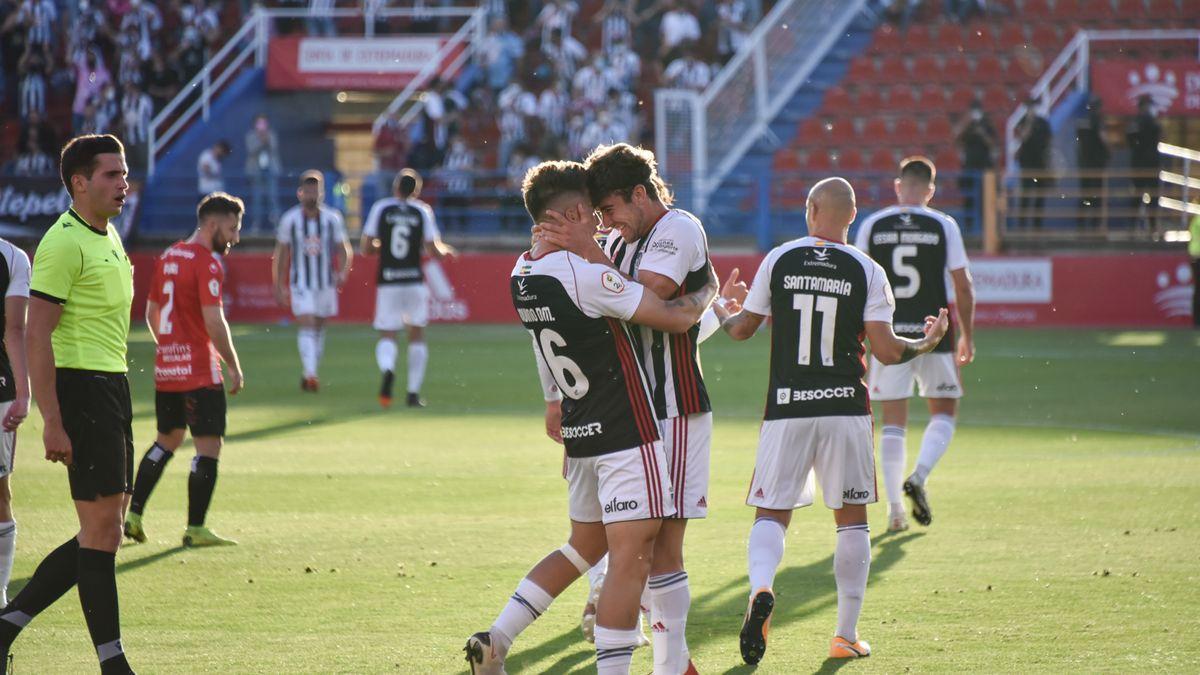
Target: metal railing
{"x": 1069, "y": 72}
{"x": 194, "y": 99}
{"x": 704, "y": 135}
{"x": 1189, "y": 160}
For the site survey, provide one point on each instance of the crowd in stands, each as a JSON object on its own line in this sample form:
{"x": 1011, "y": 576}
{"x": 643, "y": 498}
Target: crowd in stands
{"x": 555, "y": 78}
{"x": 95, "y": 66}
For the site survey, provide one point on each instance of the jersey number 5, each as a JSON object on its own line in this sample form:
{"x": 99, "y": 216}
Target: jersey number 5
{"x": 561, "y": 366}
{"x": 164, "y": 317}
{"x": 827, "y": 306}
{"x": 905, "y": 271}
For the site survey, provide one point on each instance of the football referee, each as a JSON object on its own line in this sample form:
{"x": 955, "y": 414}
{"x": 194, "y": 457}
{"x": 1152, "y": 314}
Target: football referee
{"x": 81, "y": 295}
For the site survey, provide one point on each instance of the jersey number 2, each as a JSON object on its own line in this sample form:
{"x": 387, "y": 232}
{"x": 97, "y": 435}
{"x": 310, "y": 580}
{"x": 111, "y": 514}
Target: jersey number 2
{"x": 827, "y": 306}
{"x": 561, "y": 366}
{"x": 164, "y": 317}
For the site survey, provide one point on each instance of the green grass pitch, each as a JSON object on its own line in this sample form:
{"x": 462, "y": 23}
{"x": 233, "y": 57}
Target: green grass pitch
{"x": 1066, "y": 534}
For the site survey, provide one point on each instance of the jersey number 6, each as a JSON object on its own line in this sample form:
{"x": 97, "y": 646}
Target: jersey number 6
{"x": 561, "y": 366}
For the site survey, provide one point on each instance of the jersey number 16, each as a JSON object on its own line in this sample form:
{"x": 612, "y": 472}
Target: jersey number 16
{"x": 561, "y": 366}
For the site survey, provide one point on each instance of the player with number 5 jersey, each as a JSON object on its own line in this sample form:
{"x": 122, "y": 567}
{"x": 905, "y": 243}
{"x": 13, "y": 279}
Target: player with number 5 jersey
{"x": 186, "y": 317}
{"x": 823, "y": 297}
{"x": 921, "y": 249}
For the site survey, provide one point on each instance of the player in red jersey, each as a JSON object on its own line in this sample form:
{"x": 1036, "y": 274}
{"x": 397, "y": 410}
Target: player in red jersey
{"x": 187, "y": 320}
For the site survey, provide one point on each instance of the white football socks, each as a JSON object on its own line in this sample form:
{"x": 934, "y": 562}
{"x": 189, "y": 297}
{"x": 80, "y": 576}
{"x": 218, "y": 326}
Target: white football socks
{"x": 670, "y": 599}
{"x": 765, "y": 552}
{"x": 851, "y": 564}
{"x": 320, "y": 345}
{"x": 306, "y": 341}
{"x": 614, "y": 650}
{"x": 597, "y": 572}
{"x": 418, "y": 356}
{"x": 526, "y": 604}
{"x": 938, "y": 434}
{"x": 8, "y": 547}
{"x": 892, "y": 457}
{"x": 385, "y": 354}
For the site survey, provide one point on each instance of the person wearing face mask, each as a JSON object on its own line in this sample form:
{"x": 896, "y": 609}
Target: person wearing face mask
{"x": 976, "y": 136}
{"x": 262, "y": 167}
{"x": 187, "y": 320}
{"x": 1144, "y": 134}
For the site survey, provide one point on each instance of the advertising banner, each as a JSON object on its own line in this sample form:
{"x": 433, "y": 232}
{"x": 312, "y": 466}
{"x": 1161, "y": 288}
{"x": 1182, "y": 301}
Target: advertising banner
{"x": 388, "y": 63}
{"x": 30, "y": 205}
{"x": 1174, "y": 85}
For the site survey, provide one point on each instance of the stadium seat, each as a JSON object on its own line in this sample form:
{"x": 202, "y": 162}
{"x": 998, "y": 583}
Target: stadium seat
{"x": 850, "y": 160}
{"x": 989, "y": 69}
{"x": 926, "y": 68}
{"x": 998, "y": 101}
{"x": 1159, "y": 10}
{"x": 836, "y": 99}
{"x": 862, "y": 70}
{"x": 1045, "y": 37}
{"x": 948, "y": 159}
{"x": 839, "y": 132}
{"x": 905, "y": 127}
{"x": 952, "y": 40}
{"x": 893, "y": 70}
{"x": 920, "y": 34}
{"x": 867, "y": 98}
{"x": 956, "y": 71}
{"x": 875, "y": 131}
{"x": 939, "y": 129}
{"x": 883, "y": 161}
{"x": 979, "y": 38}
{"x": 901, "y": 99}
{"x": 1069, "y": 10}
{"x": 818, "y": 161}
{"x": 1011, "y": 36}
{"x": 811, "y": 131}
{"x": 786, "y": 160}
{"x": 887, "y": 41}
{"x": 1035, "y": 10}
{"x": 960, "y": 98}
{"x": 933, "y": 96}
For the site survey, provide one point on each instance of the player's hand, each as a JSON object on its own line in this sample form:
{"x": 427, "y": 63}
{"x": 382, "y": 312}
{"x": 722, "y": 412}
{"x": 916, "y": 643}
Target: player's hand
{"x": 554, "y": 421}
{"x": 966, "y": 350}
{"x": 448, "y": 251}
{"x": 17, "y": 412}
{"x": 281, "y": 296}
{"x": 734, "y": 291}
{"x": 236, "y": 382}
{"x": 58, "y": 445}
{"x": 936, "y": 326}
{"x": 555, "y": 229}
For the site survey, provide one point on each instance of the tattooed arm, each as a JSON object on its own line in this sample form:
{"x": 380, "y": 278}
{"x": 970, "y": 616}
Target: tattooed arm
{"x": 890, "y": 348}
{"x": 678, "y": 314}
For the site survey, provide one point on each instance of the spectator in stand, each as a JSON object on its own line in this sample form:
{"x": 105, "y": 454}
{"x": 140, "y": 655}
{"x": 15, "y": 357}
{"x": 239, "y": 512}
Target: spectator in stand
{"x": 622, "y": 107}
{"x": 556, "y": 15}
{"x": 34, "y": 71}
{"x": 976, "y": 137}
{"x": 47, "y": 137}
{"x": 901, "y": 11}
{"x": 516, "y": 107}
{"x": 33, "y": 160}
{"x": 1092, "y": 155}
{"x": 89, "y": 121}
{"x": 39, "y": 18}
{"x": 575, "y": 129}
{"x": 625, "y": 64}
{"x": 137, "y": 111}
{"x": 678, "y": 27}
{"x": 604, "y": 130}
{"x": 201, "y": 23}
{"x": 688, "y": 72}
{"x": 500, "y": 51}
{"x": 319, "y": 22}
{"x": 616, "y": 19}
{"x": 89, "y": 23}
{"x": 565, "y": 52}
{"x": 512, "y": 213}
{"x": 456, "y": 176}
{"x": 189, "y": 56}
{"x": 108, "y": 110}
{"x": 733, "y": 27}
{"x": 392, "y": 144}
{"x": 262, "y": 168}
{"x": 590, "y": 84}
{"x": 91, "y": 77}
{"x": 1144, "y": 134}
{"x": 129, "y": 63}
{"x": 143, "y": 21}
{"x": 1033, "y": 158}
{"x": 552, "y": 107}
{"x": 161, "y": 81}
{"x": 962, "y": 10}
{"x": 210, "y": 176}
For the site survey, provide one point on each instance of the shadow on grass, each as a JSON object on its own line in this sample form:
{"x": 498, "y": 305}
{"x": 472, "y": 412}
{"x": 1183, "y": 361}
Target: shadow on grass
{"x": 293, "y": 425}
{"x": 801, "y": 591}
{"x": 15, "y": 586}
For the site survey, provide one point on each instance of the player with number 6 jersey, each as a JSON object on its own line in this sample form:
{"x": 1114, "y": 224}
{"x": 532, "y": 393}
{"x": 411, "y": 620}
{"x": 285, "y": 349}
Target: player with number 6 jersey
{"x": 823, "y": 297}
{"x": 592, "y": 378}
{"x": 919, "y": 248}
{"x": 400, "y": 229}
{"x": 186, "y": 317}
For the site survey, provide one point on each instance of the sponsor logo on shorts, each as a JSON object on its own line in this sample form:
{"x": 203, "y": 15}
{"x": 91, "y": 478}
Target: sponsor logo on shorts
{"x": 947, "y": 387}
{"x": 758, "y": 493}
{"x": 786, "y": 395}
{"x": 620, "y": 506}
{"x": 583, "y": 430}
{"x": 702, "y": 503}
{"x": 853, "y": 493}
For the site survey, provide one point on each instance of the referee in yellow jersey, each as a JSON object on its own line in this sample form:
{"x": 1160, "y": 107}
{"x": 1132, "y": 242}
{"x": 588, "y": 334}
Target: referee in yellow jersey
{"x": 80, "y": 299}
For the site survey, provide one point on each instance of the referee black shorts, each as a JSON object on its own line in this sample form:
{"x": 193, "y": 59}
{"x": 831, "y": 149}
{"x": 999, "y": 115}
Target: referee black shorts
{"x": 98, "y": 417}
{"x": 201, "y": 410}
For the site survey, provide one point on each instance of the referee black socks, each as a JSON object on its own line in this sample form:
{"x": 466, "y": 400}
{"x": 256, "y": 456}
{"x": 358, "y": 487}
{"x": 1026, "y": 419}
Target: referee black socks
{"x": 98, "y": 597}
{"x": 201, "y": 483}
{"x": 154, "y": 462}
{"x": 54, "y": 576}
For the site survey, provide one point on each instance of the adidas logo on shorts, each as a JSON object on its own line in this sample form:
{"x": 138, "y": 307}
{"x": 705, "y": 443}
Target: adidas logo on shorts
{"x": 703, "y": 503}
{"x": 759, "y": 493}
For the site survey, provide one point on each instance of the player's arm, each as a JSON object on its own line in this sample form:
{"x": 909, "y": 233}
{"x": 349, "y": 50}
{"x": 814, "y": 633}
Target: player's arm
{"x": 44, "y": 316}
{"x": 281, "y": 260}
{"x": 891, "y": 349}
{"x": 14, "y": 341}
{"x": 347, "y": 252}
{"x": 678, "y": 314}
{"x": 218, "y": 332}
{"x": 433, "y": 245}
{"x": 964, "y": 305}
{"x": 551, "y": 394}
{"x": 153, "y": 315}
{"x": 743, "y": 325}
{"x": 368, "y": 245}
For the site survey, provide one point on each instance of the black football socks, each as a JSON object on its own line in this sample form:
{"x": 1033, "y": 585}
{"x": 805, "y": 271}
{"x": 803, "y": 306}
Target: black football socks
{"x": 54, "y": 576}
{"x": 201, "y": 483}
{"x": 98, "y": 597}
{"x": 149, "y": 471}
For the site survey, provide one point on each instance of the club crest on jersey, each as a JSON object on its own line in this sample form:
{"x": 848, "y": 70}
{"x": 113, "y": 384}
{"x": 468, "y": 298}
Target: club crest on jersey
{"x": 523, "y": 293}
{"x": 612, "y": 281}
{"x": 822, "y": 254}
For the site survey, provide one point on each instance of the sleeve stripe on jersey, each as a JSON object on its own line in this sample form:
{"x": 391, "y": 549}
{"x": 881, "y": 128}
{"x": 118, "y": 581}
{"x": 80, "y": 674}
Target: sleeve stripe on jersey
{"x": 637, "y": 394}
{"x": 47, "y": 297}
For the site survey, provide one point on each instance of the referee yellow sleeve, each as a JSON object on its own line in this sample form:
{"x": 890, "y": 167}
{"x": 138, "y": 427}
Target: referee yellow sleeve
{"x": 57, "y": 265}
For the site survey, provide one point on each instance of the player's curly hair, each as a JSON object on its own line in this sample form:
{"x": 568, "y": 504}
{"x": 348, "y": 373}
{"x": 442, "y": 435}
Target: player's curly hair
{"x": 220, "y": 204}
{"x": 919, "y": 167}
{"x": 547, "y": 180}
{"x": 620, "y": 168}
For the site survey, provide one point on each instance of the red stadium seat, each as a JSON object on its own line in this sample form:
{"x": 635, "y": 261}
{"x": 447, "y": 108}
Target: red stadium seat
{"x": 893, "y": 70}
{"x": 1045, "y": 37}
{"x": 948, "y": 160}
{"x": 862, "y": 70}
{"x": 901, "y": 99}
{"x": 875, "y": 131}
{"x": 811, "y": 131}
{"x": 920, "y": 35}
{"x": 839, "y": 132}
{"x": 883, "y": 161}
{"x": 1125, "y": 10}
{"x": 786, "y": 160}
{"x": 1069, "y": 10}
{"x": 956, "y": 71}
{"x": 818, "y": 161}
{"x": 979, "y": 38}
{"x": 998, "y": 101}
{"x": 1160, "y": 10}
{"x": 938, "y": 129}
{"x": 836, "y": 99}
{"x": 887, "y": 41}
{"x": 1035, "y": 10}
{"x": 960, "y": 98}
{"x": 1011, "y": 36}
{"x": 850, "y": 159}
{"x": 904, "y": 128}
{"x": 933, "y": 96}
{"x": 952, "y": 40}
{"x": 868, "y": 98}
{"x": 926, "y": 68}
{"x": 989, "y": 69}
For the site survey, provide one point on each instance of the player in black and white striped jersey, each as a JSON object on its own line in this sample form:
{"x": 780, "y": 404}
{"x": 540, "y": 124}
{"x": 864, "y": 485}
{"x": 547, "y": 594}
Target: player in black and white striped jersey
{"x": 38, "y": 17}
{"x": 31, "y": 91}
{"x": 14, "y": 391}
{"x": 310, "y": 265}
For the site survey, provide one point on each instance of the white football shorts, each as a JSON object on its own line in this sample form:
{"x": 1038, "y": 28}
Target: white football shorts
{"x": 8, "y": 444}
{"x": 321, "y": 303}
{"x": 400, "y": 305}
{"x": 839, "y": 450}
{"x": 625, "y": 485}
{"x": 686, "y": 442}
{"x": 936, "y": 374}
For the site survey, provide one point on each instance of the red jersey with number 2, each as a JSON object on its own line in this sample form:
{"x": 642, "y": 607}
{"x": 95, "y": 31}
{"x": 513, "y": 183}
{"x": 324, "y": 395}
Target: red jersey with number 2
{"x": 187, "y": 278}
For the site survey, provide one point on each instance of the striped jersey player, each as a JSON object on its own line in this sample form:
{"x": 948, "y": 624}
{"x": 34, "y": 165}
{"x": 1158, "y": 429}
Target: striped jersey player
{"x": 618, "y": 487}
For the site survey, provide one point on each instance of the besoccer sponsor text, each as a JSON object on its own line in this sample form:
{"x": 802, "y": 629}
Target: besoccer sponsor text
{"x": 582, "y": 431}
{"x": 786, "y": 395}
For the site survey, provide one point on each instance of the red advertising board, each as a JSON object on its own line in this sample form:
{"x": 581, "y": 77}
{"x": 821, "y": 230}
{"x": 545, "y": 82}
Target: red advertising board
{"x": 1174, "y": 85}
{"x": 1134, "y": 290}
{"x": 389, "y": 63}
